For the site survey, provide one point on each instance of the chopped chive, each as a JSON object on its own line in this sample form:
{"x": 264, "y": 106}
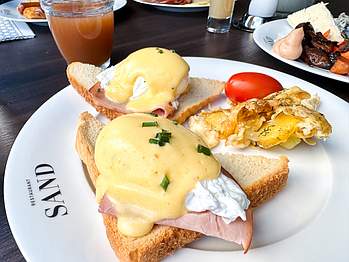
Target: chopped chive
{"x": 202, "y": 149}
{"x": 175, "y": 122}
{"x": 160, "y": 135}
{"x": 165, "y": 133}
{"x": 148, "y": 124}
{"x": 165, "y": 139}
{"x": 161, "y": 138}
{"x": 153, "y": 141}
{"x": 164, "y": 183}
{"x": 160, "y": 50}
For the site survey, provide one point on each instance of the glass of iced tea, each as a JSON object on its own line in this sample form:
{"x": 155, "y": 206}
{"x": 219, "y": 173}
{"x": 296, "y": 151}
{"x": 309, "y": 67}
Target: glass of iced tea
{"x": 83, "y": 29}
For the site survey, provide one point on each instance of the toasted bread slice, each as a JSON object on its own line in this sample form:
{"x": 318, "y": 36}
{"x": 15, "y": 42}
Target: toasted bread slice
{"x": 260, "y": 177}
{"x": 201, "y": 91}
{"x": 82, "y": 77}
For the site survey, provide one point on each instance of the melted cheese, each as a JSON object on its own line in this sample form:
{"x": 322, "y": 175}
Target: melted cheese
{"x": 132, "y": 170}
{"x": 165, "y": 75}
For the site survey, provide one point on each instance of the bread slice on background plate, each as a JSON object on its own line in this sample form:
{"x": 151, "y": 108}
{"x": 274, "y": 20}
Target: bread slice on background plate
{"x": 201, "y": 92}
{"x": 260, "y": 177}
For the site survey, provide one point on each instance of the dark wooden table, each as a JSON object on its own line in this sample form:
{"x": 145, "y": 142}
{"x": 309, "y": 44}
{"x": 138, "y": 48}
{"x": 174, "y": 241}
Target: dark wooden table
{"x": 31, "y": 71}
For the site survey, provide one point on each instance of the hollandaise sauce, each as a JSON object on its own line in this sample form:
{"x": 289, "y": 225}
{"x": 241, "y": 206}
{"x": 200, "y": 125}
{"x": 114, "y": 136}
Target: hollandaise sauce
{"x": 147, "y": 166}
{"x": 148, "y": 78}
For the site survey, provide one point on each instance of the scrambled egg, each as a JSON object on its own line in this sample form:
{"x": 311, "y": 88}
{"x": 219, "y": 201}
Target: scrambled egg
{"x": 283, "y": 118}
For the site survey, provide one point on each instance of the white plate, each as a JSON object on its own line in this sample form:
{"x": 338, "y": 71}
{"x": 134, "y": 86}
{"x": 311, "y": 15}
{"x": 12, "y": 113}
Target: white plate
{"x": 265, "y": 35}
{"x": 9, "y": 11}
{"x": 177, "y": 8}
{"x": 307, "y": 221}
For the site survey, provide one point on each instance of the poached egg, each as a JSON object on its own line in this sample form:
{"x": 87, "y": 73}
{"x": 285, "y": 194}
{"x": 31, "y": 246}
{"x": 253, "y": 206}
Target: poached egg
{"x": 146, "y": 80}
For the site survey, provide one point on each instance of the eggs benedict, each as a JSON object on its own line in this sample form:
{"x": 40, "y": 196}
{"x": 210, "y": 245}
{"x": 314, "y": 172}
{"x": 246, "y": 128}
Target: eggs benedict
{"x": 149, "y": 80}
{"x": 155, "y": 171}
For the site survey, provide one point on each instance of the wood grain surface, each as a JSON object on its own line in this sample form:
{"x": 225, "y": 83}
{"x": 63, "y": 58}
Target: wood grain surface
{"x": 31, "y": 71}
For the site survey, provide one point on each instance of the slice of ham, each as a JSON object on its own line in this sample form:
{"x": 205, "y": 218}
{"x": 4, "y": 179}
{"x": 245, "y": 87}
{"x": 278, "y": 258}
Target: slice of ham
{"x": 106, "y": 206}
{"x": 100, "y": 99}
{"x": 207, "y": 223}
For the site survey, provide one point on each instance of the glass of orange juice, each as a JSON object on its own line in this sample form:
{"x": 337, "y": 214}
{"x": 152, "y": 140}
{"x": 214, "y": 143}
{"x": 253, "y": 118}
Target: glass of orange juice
{"x": 82, "y": 29}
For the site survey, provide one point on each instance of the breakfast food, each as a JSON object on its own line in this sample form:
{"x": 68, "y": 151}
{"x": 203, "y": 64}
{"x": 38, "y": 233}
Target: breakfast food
{"x": 320, "y": 18}
{"x": 158, "y": 185}
{"x": 283, "y": 118}
{"x": 323, "y": 53}
{"x": 31, "y": 9}
{"x": 316, "y": 40}
{"x": 314, "y": 49}
{"x": 139, "y": 84}
{"x": 142, "y": 196}
{"x": 97, "y": 145}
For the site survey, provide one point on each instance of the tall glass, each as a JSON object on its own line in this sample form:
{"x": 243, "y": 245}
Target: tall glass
{"x": 82, "y": 29}
{"x": 219, "y": 16}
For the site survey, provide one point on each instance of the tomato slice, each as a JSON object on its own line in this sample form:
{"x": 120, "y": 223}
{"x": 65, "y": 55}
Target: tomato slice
{"x": 243, "y": 86}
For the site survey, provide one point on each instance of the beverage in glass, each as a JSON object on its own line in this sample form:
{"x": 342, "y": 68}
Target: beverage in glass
{"x": 82, "y": 29}
{"x": 219, "y": 16}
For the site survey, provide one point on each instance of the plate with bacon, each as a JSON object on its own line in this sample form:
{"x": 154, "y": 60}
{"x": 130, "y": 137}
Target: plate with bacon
{"x": 182, "y": 6}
